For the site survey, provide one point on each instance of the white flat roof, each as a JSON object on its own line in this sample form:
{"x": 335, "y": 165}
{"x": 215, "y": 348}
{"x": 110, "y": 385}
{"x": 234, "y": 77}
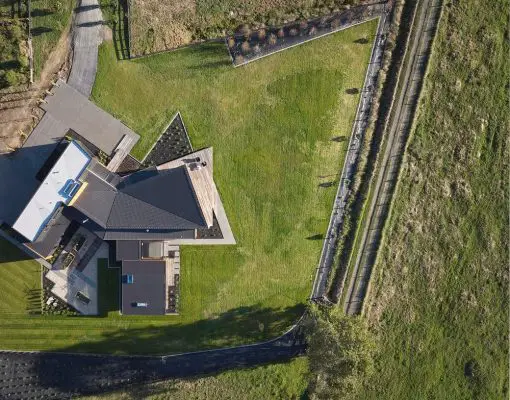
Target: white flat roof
{"x": 50, "y": 193}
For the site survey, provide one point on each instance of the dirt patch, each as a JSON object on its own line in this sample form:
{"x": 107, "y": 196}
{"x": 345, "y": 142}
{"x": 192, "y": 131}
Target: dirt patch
{"x": 19, "y": 110}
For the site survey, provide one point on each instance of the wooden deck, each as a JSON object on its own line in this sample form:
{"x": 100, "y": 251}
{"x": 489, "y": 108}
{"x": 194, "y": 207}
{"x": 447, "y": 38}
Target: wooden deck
{"x": 201, "y": 178}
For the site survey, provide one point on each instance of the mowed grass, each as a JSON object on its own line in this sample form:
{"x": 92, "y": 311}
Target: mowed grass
{"x": 439, "y": 303}
{"x": 278, "y": 381}
{"x": 49, "y": 19}
{"x": 270, "y": 124}
{"x": 20, "y": 282}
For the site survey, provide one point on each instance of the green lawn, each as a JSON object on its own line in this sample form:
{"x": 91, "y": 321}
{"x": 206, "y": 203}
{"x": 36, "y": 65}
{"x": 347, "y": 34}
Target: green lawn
{"x": 277, "y": 381}
{"x": 439, "y": 304}
{"x": 49, "y": 19}
{"x": 271, "y": 125}
{"x": 20, "y": 283}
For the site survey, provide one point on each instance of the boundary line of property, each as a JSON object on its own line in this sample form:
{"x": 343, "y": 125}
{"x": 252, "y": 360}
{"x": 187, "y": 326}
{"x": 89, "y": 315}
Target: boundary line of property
{"x": 303, "y": 42}
{"x": 323, "y": 270}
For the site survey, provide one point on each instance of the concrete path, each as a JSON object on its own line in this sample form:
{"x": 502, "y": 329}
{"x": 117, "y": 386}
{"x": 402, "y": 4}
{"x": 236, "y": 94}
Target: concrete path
{"x": 87, "y": 36}
{"x": 320, "y": 286}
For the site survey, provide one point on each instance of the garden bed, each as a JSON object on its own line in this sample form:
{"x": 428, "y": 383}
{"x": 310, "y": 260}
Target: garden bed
{"x": 249, "y": 46}
{"x": 51, "y": 304}
{"x": 172, "y": 144}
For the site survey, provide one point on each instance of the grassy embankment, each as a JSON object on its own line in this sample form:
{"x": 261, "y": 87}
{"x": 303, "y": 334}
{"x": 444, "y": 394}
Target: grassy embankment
{"x": 439, "y": 300}
{"x": 181, "y": 22}
{"x": 271, "y": 125}
{"x": 279, "y": 381}
{"x": 49, "y": 19}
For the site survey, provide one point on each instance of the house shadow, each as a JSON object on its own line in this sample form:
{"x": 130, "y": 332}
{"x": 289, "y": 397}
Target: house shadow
{"x": 64, "y": 374}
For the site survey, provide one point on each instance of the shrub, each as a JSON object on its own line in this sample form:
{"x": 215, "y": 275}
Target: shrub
{"x": 256, "y": 49}
{"x": 272, "y": 39}
{"x": 239, "y": 59}
{"x": 13, "y": 78}
{"x": 261, "y": 34}
{"x": 335, "y": 23}
{"x": 303, "y": 25}
{"x": 281, "y": 33}
{"x": 293, "y": 32}
{"x": 312, "y": 31}
{"x": 231, "y": 42}
{"x": 245, "y": 47}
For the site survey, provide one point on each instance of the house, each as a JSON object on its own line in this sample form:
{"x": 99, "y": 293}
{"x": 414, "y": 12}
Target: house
{"x": 80, "y": 204}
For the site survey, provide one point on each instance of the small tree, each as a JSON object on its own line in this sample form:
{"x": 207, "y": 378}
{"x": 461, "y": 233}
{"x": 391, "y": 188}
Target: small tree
{"x": 340, "y": 353}
{"x": 245, "y": 47}
{"x": 231, "y": 42}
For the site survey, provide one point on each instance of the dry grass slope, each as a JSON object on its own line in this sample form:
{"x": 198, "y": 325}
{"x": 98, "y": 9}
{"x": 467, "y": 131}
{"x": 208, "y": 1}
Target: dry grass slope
{"x": 439, "y": 303}
{"x": 157, "y": 26}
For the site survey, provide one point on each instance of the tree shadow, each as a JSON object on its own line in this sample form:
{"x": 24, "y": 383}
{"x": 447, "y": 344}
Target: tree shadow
{"x": 361, "y": 41}
{"x": 352, "y": 91}
{"x": 33, "y": 298}
{"x": 86, "y": 8}
{"x": 327, "y": 184}
{"x": 41, "y": 12}
{"x": 64, "y": 374}
{"x": 318, "y": 236}
{"x": 339, "y": 139}
{"x": 40, "y": 30}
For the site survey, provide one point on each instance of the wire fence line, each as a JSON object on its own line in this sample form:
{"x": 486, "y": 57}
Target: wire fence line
{"x": 330, "y": 245}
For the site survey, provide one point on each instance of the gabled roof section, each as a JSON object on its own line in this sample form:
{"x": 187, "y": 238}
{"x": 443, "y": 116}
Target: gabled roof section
{"x": 199, "y": 169}
{"x": 97, "y": 199}
{"x": 145, "y": 200}
{"x": 171, "y": 193}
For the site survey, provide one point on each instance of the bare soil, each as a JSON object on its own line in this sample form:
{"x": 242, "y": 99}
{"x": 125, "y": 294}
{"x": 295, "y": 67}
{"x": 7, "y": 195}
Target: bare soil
{"x": 19, "y": 110}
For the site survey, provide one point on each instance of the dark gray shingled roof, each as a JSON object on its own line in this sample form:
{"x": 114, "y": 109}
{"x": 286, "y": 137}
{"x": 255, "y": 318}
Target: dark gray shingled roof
{"x": 128, "y": 250}
{"x": 50, "y": 237}
{"x": 145, "y": 200}
{"x": 97, "y": 199}
{"x": 149, "y": 286}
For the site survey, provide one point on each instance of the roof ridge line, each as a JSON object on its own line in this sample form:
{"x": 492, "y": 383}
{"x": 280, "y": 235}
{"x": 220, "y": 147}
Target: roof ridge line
{"x": 153, "y": 206}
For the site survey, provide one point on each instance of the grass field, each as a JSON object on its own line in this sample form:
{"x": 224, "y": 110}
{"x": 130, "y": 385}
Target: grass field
{"x": 271, "y": 125}
{"x": 439, "y": 300}
{"x": 278, "y": 381}
{"x": 49, "y": 19}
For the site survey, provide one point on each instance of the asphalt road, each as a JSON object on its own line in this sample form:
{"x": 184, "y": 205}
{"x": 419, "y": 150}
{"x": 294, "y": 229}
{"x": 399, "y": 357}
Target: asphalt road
{"x": 405, "y": 104}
